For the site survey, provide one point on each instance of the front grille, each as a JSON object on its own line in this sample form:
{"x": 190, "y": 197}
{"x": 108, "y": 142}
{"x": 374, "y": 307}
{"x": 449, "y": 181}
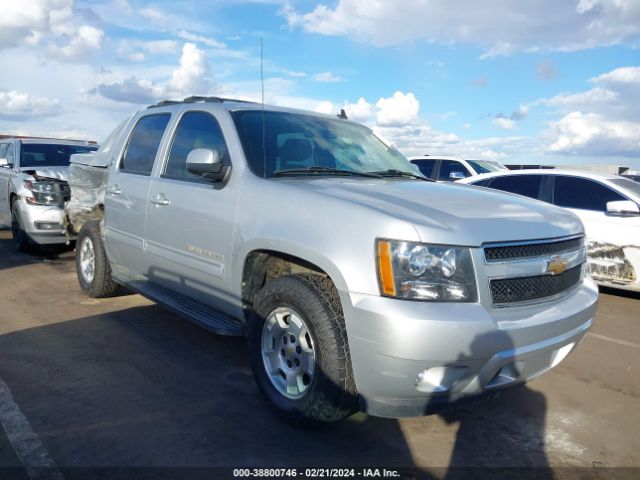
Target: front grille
{"x": 524, "y": 289}
{"x": 508, "y": 252}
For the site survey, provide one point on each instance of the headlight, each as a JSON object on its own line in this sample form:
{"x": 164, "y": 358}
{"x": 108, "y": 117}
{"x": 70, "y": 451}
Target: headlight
{"x": 43, "y": 193}
{"x": 419, "y": 271}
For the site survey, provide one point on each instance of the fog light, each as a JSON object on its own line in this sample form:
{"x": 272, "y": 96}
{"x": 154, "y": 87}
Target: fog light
{"x": 49, "y": 226}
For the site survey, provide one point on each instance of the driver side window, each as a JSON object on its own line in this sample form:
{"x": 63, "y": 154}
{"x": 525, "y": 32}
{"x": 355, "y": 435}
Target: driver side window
{"x": 195, "y": 130}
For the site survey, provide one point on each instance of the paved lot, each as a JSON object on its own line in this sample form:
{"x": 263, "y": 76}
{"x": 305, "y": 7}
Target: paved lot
{"x": 123, "y": 383}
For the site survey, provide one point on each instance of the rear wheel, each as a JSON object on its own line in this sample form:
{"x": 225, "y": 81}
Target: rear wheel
{"x": 299, "y": 351}
{"x": 20, "y": 238}
{"x": 92, "y": 264}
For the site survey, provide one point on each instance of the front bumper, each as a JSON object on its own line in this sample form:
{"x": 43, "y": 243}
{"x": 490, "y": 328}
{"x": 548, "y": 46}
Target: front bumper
{"x": 43, "y": 224}
{"x": 410, "y": 356}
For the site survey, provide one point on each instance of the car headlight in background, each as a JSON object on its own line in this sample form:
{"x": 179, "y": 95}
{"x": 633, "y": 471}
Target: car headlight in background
{"x": 420, "y": 271}
{"x": 43, "y": 193}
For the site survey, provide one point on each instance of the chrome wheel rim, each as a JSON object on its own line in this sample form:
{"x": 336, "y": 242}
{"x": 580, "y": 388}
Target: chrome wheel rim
{"x": 87, "y": 260}
{"x": 288, "y": 353}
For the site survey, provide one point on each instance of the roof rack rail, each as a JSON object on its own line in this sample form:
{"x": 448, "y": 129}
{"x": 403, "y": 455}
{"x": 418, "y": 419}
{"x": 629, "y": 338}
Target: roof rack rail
{"x": 197, "y": 98}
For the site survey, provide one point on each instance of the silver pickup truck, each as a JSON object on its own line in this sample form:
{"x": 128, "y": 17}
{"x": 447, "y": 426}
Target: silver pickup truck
{"x": 358, "y": 283}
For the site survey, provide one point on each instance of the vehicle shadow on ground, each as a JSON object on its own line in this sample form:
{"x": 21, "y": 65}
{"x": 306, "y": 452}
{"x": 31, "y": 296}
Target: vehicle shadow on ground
{"x": 619, "y": 293}
{"x": 501, "y": 430}
{"x": 56, "y": 254}
{"x": 143, "y": 388}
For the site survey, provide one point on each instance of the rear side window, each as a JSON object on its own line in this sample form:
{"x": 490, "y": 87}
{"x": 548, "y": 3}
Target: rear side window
{"x": 425, "y": 166}
{"x": 143, "y": 144}
{"x": 195, "y": 130}
{"x": 447, "y": 167}
{"x": 583, "y": 193}
{"x": 527, "y": 185}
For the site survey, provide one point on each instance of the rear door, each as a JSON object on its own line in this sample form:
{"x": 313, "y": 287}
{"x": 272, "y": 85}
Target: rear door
{"x": 127, "y": 192}
{"x": 526, "y": 185}
{"x": 608, "y": 236}
{"x": 190, "y": 220}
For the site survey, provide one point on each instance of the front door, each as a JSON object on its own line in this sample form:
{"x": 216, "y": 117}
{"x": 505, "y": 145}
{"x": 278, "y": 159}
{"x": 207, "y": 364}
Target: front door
{"x": 6, "y": 152}
{"x": 190, "y": 220}
{"x": 127, "y": 191}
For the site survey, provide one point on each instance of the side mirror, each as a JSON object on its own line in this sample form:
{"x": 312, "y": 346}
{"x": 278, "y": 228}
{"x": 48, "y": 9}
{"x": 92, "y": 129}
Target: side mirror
{"x": 206, "y": 163}
{"x": 4, "y": 162}
{"x": 623, "y": 208}
{"x": 456, "y": 175}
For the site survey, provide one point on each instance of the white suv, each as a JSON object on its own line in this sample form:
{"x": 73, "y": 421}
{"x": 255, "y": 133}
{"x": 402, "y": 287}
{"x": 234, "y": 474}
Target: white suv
{"x": 608, "y": 205}
{"x": 448, "y": 169}
{"x": 34, "y": 188}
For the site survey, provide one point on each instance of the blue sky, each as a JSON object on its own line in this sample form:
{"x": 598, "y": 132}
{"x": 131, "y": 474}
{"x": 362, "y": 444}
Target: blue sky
{"x": 545, "y": 81}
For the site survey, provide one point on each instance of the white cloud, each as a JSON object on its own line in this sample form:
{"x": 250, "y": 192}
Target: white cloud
{"x": 190, "y": 78}
{"x": 623, "y": 75}
{"x": 69, "y": 35}
{"x": 160, "y": 46}
{"x": 19, "y": 105}
{"x": 503, "y": 122}
{"x": 81, "y": 43}
{"x": 208, "y": 41}
{"x": 501, "y": 27}
{"x": 155, "y": 16}
{"x": 399, "y": 109}
{"x": 360, "y": 111}
{"x": 592, "y": 134}
{"x": 601, "y": 121}
{"x": 327, "y": 77}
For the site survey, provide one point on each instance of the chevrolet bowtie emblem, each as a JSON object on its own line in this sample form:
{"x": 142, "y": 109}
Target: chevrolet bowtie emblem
{"x": 556, "y": 265}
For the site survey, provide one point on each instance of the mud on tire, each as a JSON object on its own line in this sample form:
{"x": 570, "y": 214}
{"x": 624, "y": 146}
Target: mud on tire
{"x": 330, "y": 394}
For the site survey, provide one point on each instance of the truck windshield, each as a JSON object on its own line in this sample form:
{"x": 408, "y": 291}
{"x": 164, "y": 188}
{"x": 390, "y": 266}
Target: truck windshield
{"x": 278, "y": 142}
{"x": 49, "y": 155}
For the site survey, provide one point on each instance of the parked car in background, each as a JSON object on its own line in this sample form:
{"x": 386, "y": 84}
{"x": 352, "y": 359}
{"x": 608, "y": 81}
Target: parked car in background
{"x": 34, "y": 188}
{"x": 608, "y": 205}
{"x": 632, "y": 175}
{"x": 448, "y": 169}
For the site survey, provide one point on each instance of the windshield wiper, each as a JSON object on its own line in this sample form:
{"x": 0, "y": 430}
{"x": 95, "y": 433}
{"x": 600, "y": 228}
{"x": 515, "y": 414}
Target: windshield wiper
{"x": 392, "y": 172}
{"x": 314, "y": 170}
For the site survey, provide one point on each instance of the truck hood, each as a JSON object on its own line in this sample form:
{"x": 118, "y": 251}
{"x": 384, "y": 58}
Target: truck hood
{"x": 447, "y": 213}
{"x": 56, "y": 173}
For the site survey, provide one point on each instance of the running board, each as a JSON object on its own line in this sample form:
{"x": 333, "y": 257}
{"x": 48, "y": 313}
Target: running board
{"x": 192, "y": 310}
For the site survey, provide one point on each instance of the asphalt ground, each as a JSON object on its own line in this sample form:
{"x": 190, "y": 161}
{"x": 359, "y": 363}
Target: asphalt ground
{"x": 121, "y": 388}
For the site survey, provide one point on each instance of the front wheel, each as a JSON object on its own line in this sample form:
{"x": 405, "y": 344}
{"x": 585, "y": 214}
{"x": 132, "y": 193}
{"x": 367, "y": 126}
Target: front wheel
{"x": 20, "y": 237}
{"x": 92, "y": 264}
{"x": 299, "y": 350}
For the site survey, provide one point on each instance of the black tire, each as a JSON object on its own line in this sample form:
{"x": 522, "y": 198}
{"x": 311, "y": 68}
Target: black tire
{"x": 101, "y": 284}
{"x": 21, "y": 240}
{"x": 331, "y": 394}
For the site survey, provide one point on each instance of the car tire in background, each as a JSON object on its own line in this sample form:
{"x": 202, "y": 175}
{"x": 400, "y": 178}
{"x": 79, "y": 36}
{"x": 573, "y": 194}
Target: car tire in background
{"x": 299, "y": 351}
{"x": 92, "y": 264}
{"x": 20, "y": 238}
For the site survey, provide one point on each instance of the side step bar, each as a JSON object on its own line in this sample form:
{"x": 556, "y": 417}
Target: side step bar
{"x": 192, "y": 310}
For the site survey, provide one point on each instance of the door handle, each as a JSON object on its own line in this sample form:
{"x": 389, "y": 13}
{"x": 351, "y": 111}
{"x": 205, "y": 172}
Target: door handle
{"x": 114, "y": 190}
{"x": 160, "y": 199}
